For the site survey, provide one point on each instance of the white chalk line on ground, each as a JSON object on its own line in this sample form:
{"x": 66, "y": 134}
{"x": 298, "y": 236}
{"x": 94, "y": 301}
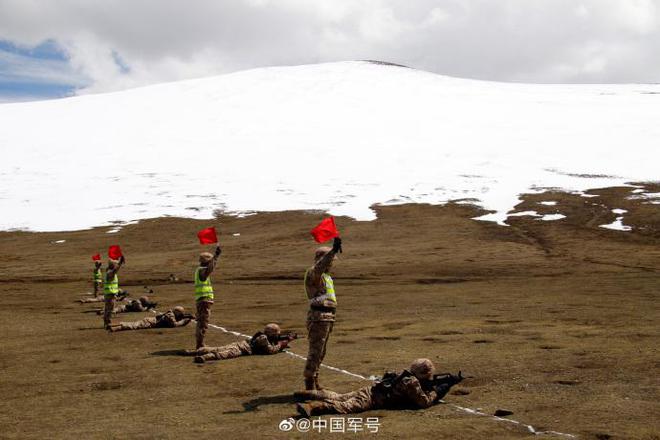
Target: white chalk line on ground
{"x": 476, "y": 412}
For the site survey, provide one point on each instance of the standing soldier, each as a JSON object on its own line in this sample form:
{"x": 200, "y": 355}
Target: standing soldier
{"x": 320, "y": 291}
{"x": 98, "y": 277}
{"x": 204, "y": 292}
{"x": 111, "y": 289}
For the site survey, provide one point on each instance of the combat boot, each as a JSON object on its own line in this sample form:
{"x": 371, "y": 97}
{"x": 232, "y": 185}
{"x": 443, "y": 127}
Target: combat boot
{"x": 310, "y": 383}
{"x": 316, "y": 383}
{"x": 304, "y": 409}
{"x": 199, "y": 359}
{"x": 311, "y": 409}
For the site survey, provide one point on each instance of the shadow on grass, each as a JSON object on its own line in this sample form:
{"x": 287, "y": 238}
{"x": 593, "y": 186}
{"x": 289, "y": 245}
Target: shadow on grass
{"x": 254, "y": 404}
{"x": 180, "y": 352}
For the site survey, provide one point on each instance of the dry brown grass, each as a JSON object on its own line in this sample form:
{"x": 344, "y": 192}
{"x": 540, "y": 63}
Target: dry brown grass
{"x": 557, "y": 321}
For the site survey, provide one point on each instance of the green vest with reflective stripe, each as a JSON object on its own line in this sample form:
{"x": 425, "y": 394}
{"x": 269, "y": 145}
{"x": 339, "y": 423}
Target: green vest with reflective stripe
{"x": 98, "y": 278}
{"x": 111, "y": 287}
{"x": 329, "y": 286}
{"x": 203, "y": 289}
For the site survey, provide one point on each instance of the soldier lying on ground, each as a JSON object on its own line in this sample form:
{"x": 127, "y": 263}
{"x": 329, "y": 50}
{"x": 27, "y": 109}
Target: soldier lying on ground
{"x": 270, "y": 341}
{"x": 412, "y": 389}
{"x": 136, "y": 305}
{"x": 100, "y": 298}
{"x": 170, "y": 319}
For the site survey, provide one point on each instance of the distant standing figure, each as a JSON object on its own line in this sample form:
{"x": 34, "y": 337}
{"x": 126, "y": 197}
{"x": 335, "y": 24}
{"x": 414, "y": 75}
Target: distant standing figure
{"x": 170, "y": 319}
{"x": 97, "y": 278}
{"x": 204, "y": 293}
{"x": 111, "y": 289}
{"x": 320, "y": 291}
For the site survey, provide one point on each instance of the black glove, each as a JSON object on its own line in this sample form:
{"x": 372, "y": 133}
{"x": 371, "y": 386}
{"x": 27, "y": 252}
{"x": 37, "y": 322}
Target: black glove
{"x": 218, "y": 251}
{"x": 441, "y": 390}
{"x": 336, "y": 245}
{"x": 457, "y": 379}
{"x": 122, "y": 260}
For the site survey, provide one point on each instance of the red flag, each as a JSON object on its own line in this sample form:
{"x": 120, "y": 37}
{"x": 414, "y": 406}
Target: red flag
{"x": 96, "y": 257}
{"x": 114, "y": 252}
{"x": 325, "y": 230}
{"x": 207, "y": 236}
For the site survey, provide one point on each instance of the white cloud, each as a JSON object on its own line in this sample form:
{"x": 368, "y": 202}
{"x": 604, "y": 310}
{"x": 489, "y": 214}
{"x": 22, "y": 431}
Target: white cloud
{"x": 508, "y": 40}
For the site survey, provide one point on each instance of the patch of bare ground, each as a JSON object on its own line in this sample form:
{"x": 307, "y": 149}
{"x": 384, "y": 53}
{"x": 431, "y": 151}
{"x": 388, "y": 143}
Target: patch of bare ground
{"x": 556, "y": 321}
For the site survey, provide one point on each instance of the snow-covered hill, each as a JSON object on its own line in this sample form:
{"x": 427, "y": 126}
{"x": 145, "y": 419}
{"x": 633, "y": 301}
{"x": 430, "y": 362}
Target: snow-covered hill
{"x": 338, "y": 136}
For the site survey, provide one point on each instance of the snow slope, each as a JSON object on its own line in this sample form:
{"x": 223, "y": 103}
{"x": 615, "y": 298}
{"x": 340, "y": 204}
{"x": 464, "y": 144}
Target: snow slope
{"x": 336, "y": 137}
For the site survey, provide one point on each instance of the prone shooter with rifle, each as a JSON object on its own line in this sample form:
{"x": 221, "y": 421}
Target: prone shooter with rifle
{"x": 269, "y": 341}
{"x": 414, "y": 388}
{"x": 170, "y": 319}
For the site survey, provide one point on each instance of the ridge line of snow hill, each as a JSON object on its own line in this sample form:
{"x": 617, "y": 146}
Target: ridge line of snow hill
{"x": 336, "y": 137}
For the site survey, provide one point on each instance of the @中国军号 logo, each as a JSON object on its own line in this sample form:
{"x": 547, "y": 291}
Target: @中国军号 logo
{"x": 287, "y": 425}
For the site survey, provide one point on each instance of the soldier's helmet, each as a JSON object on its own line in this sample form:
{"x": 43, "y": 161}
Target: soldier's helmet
{"x": 422, "y": 368}
{"x": 205, "y": 257}
{"x": 178, "y": 311}
{"x": 144, "y": 300}
{"x": 272, "y": 330}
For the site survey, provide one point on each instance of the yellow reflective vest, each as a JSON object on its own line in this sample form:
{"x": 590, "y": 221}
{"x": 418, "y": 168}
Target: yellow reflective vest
{"x": 203, "y": 289}
{"x": 329, "y": 286}
{"x": 98, "y": 277}
{"x": 111, "y": 288}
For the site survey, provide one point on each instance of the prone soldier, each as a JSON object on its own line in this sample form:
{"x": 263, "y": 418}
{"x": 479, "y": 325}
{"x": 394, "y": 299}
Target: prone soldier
{"x": 270, "y": 341}
{"x": 136, "y": 305}
{"x": 415, "y": 388}
{"x": 170, "y": 319}
{"x": 121, "y": 296}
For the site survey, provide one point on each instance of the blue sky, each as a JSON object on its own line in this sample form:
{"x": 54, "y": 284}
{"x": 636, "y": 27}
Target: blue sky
{"x": 39, "y": 72}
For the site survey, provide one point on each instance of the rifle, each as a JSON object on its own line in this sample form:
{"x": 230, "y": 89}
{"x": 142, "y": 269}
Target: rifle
{"x": 150, "y": 304}
{"x": 440, "y": 383}
{"x": 289, "y": 336}
{"x": 443, "y": 382}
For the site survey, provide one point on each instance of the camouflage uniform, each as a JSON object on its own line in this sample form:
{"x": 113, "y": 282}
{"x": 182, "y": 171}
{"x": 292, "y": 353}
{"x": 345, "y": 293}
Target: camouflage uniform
{"x": 108, "y": 296}
{"x": 203, "y": 316}
{"x": 406, "y": 393}
{"x": 162, "y": 320}
{"x": 320, "y": 317}
{"x": 203, "y": 302}
{"x": 133, "y": 306}
{"x": 259, "y": 344}
{"x": 101, "y": 298}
